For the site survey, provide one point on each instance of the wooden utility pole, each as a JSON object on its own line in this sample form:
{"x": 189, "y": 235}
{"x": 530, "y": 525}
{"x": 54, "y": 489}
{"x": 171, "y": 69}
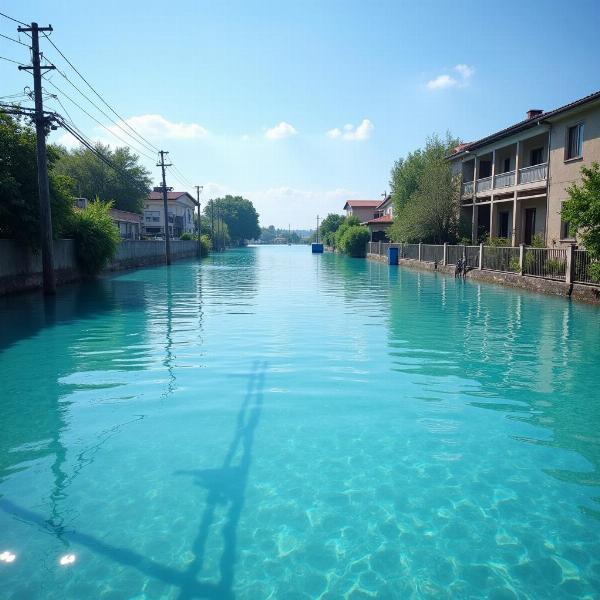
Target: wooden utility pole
{"x": 165, "y": 192}
{"x": 199, "y": 188}
{"x": 41, "y": 123}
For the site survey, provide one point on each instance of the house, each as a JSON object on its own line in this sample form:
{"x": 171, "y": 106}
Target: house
{"x": 515, "y": 181}
{"x": 377, "y": 215}
{"x": 363, "y": 210}
{"x": 128, "y": 223}
{"x": 181, "y": 206}
{"x": 381, "y": 221}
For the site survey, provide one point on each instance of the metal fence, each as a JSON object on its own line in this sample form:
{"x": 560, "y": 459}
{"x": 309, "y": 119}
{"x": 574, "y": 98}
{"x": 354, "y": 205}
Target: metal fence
{"x": 501, "y": 259}
{"x": 549, "y": 263}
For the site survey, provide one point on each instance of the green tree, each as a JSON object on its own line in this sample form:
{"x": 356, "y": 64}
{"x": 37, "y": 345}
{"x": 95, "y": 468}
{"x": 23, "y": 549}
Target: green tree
{"x": 353, "y": 241}
{"x": 95, "y": 179}
{"x": 329, "y": 227}
{"x": 239, "y": 214}
{"x": 19, "y": 199}
{"x": 349, "y": 221}
{"x": 426, "y": 195}
{"x": 582, "y": 211}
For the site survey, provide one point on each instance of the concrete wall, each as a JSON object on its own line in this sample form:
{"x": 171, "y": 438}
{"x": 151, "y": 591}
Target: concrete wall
{"x": 21, "y": 269}
{"x": 563, "y": 172}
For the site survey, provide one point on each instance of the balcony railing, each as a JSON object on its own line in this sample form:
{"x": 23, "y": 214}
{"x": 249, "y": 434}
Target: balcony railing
{"x": 504, "y": 179}
{"x": 484, "y": 184}
{"x": 534, "y": 173}
{"x": 467, "y": 188}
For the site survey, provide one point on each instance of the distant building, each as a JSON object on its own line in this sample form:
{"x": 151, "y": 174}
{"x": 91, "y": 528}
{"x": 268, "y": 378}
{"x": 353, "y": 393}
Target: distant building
{"x": 363, "y": 210}
{"x": 128, "y": 223}
{"x": 181, "y": 206}
{"x": 515, "y": 181}
{"x": 377, "y": 215}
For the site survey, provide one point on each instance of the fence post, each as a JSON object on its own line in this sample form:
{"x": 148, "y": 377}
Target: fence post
{"x": 379, "y": 248}
{"x": 420, "y": 244}
{"x": 445, "y": 257}
{"x": 521, "y": 257}
{"x": 570, "y": 266}
{"x": 480, "y": 256}
{"x": 401, "y": 249}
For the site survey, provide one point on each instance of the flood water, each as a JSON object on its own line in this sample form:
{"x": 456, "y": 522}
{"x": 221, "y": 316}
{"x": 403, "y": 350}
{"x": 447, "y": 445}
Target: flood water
{"x": 268, "y": 423}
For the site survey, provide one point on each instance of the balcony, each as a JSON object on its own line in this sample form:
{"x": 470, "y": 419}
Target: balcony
{"x": 504, "y": 179}
{"x": 534, "y": 173}
{"x": 467, "y": 188}
{"x": 483, "y": 184}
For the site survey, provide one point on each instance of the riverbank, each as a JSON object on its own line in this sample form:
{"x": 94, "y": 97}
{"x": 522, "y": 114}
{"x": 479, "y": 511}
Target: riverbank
{"x": 21, "y": 269}
{"x": 574, "y": 291}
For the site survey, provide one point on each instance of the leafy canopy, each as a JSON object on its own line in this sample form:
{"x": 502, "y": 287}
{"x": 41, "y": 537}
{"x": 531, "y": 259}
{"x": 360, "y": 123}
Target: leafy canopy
{"x": 353, "y": 241}
{"x": 425, "y": 194}
{"x": 95, "y": 179}
{"x": 19, "y": 199}
{"x": 239, "y": 214}
{"x": 329, "y": 227}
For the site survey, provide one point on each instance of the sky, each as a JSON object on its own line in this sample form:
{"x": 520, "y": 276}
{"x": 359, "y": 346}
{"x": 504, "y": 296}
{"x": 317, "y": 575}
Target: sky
{"x": 301, "y": 105}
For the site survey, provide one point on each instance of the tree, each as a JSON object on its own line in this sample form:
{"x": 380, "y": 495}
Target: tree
{"x": 239, "y": 214}
{"x": 349, "y": 221}
{"x": 93, "y": 178}
{"x": 19, "y": 199}
{"x": 426, "y": 195}
{"x": 353, "y": 241}
{"x": 329, "y": 227}
{"x": 582, "y": 211}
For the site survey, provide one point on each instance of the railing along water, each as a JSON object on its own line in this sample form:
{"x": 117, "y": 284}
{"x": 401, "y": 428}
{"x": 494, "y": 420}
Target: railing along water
{"x": 581, "y": 267}
{"x": 472, "y": 256}
{"x": 432, "y": 253}
{"x": 501, "y": 258}
{"x": 549, "y": 263}
{"x": 411, "y": 251}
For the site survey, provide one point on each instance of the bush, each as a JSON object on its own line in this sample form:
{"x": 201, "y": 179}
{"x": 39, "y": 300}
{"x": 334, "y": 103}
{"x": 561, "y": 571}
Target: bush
{"x": 96, "y": 237}
{"x": 514, "y": 265}
{"x": 537, "y": 241}
{"x": 204, "y": 245}
{"x": 188, "y": 236}
{"x": 349, "y": 221}
{"x": 354, "y": 241}
{"x": 499, "y": 242}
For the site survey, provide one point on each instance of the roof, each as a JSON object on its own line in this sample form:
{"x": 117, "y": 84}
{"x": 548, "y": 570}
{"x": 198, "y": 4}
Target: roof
{"x": 385, "y": 201}
{"x": 362, "y": 203}
{"x": 172, "y": 196}
{"x": 383, "y": 219}
{"x": 522, "y": 125}
{"x": 125, "y": 215}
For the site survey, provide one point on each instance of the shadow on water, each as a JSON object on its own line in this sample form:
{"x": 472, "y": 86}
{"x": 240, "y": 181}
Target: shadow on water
{"x": 226, "y": 486}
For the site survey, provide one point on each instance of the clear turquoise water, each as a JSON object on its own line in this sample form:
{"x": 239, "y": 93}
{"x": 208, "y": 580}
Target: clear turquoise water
{"x": 276, "y": 424}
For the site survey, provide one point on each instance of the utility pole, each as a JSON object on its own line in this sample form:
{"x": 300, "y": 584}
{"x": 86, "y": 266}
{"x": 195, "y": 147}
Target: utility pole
{"x": 41, "y": 122}
{"x": 165, "y": 191}
{"x": 199, "y": 188}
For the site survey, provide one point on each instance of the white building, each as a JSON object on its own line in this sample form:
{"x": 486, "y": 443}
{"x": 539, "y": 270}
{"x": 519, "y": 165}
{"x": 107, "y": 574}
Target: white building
{"x": 181, "y": 213}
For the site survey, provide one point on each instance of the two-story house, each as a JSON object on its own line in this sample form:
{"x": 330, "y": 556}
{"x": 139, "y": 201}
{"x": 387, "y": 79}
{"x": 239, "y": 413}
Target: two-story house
{"x": 181, "y": 207}
{"x": 377, "y": 215}
{"x": 514, "y": 181}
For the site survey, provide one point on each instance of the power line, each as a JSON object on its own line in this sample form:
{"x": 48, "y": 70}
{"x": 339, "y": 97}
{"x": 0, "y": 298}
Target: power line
{"x": 13, "y": 19}
{"x": 14, "y": 40}
{"x": 12, "y": 61}
{"x": 60, "y": 72}
{"x": 100, "y": 97}
{"x": 96, "y": 120}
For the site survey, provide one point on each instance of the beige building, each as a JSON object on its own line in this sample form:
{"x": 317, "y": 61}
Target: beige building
{"x": 514, "y": 181}
{"x": 363, "y": 210}
{"x": 181, "y": 213}
{"x": 377, "y": 215}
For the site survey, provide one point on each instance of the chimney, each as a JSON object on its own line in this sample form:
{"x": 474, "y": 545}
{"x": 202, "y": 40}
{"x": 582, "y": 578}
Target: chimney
{"x": 534, "y": 112}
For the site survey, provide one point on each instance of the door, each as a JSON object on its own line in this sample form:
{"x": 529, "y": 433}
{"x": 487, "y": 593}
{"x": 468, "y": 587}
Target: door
{"x": 503, "y": 224}
{"x": 529, "y": 225}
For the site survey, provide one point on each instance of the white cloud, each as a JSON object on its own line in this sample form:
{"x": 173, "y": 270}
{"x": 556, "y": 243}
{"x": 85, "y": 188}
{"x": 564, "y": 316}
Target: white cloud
{"x": 462, "y": 79}
{"x": 351, "y": 133}
{"x": 158, "y": 127}
{"x": 281, "y": 131}
{"x": 69, "y": 141}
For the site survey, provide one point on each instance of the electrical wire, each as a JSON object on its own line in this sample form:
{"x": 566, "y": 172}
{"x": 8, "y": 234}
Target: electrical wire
{"x": 12, "y": 61}
{"x": 14, "y": 40}
{"x": 13, "y": 19}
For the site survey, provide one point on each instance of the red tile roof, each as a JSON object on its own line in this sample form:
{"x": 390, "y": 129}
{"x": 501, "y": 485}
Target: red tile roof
{"x": 383, "y": 219}
{"x": 170, "y": 196}
{"x": 124, "y": 215}
{"x": 362, "y": 203}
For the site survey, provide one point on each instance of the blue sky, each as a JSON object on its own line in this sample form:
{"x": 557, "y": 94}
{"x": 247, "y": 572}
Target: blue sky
{"x": 302, "y": 105}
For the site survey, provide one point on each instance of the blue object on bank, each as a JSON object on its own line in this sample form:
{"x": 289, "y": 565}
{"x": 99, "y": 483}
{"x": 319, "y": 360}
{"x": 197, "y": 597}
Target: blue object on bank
{"x": 392, "y": 256}
{"x": 317, "y": 248}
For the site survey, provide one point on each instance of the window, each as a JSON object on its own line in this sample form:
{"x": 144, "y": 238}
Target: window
{"x": 574, "y": 148}
{"x": 536, "y": 157}
{"x": 485, "y": 168}
{"x": 506, "y": 165}
{"x": 567, "y": 232}
{"x": 503, "y": 227}
{"x": 152, "y": 216}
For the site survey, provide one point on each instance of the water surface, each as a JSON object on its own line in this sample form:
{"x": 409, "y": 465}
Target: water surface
{"x": 275, "y": 424}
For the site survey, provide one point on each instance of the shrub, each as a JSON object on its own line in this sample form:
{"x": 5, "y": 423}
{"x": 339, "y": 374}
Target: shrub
{"x": 514, "y": 265}
{"x": 187, "y": 236}
{"x": 354, "y": 241}
{"x": 537, "y": 241}
{"x": 349, "y": 221}
{"x": 594, "y": 271}
{"x": 204, "y": 245}
{"x": 96, "y": 237}
{"x": 556, "y": 265}
{"x": 499, "y": 242}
